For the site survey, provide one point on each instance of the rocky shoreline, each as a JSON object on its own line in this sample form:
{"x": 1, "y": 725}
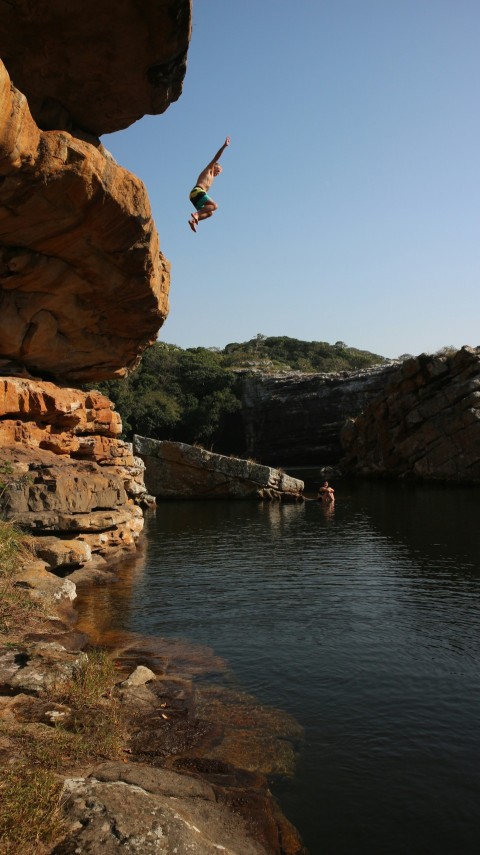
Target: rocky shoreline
{"x": 174, "y": 782}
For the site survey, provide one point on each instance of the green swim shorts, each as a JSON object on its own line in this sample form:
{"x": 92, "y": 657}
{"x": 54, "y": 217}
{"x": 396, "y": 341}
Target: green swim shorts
{"x": 199, "y": 198}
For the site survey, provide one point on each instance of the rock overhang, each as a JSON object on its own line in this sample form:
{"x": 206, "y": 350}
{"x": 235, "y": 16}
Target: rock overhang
{"x": 95, "y": 67}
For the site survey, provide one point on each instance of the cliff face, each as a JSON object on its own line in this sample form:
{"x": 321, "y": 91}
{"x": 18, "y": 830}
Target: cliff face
{"x": 294, "y": 419}
{"x": 425, "y": 423}
{"x": 74, "y": 483}
{"x": 83, "y": 285}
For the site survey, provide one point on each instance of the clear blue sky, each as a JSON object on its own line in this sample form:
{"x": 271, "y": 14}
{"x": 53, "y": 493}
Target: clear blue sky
{"x": 350, "y": 197}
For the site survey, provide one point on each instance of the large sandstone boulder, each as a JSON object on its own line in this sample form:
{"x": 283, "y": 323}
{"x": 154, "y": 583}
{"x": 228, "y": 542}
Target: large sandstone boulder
{"x": 425, "y": 423}
{"x": 72, "y": 481}
{"x": 92, "y": 66}
{"x": 83, "y": 285}
{"x": 175, "y": 470}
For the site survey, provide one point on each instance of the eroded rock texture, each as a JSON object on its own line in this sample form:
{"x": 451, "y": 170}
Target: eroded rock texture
{"x": 151, "y": 811}
{"x": 93, "y": 66}
{"x": 175, "y": 470}
{"x": 425, "y": 423}
{"x": 71, "y": 481}
{"x": 83, "y": 285}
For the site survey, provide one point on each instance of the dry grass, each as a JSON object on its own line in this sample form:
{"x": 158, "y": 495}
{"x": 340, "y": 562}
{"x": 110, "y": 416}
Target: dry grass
{"x": 30, "y": 787}
{"x": 16, "y": 607}
{"x": 97, "y": 729}
{"x": 30, "y": 809}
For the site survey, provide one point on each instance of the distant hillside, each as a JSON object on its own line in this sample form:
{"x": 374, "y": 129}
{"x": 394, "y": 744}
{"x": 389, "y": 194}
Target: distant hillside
{"x": 281, "y": 353}
{"x": 194, "y": 395}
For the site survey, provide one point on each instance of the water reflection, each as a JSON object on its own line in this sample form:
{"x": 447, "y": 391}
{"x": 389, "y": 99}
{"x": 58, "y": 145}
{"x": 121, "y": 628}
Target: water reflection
{"x": 104, "y": 608}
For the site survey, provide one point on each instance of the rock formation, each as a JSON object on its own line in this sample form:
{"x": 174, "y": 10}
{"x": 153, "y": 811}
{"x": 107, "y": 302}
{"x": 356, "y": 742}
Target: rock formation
{"x": 425, "y": 423}
{"x": 95, "y": 67}
{"x": 297, "y": 418}
{"x": 71, "y": 481}
{"x": 175, "y": 470}
{"x": 83, "y": 285}
{"x": 148, "y": 811}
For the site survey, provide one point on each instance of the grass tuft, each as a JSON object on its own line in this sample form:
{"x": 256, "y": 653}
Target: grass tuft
{"x": 30, "y": 809}
{"x": 15, "y": 603}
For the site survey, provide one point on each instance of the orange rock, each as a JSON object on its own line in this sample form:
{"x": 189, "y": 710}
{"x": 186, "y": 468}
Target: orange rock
{"x": 83, "y": 284}
{"x": 73, "y": 478}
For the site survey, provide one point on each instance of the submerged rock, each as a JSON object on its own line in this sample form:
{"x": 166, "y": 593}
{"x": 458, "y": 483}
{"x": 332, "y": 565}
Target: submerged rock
{"x": 175, "y": 470}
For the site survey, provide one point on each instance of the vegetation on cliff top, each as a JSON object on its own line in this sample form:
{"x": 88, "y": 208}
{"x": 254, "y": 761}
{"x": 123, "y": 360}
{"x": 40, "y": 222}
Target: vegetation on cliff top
{"x": 192, "y": 395}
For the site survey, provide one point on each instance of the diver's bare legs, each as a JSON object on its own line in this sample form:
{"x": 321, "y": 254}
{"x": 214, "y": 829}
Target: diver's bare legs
{"x": 208, "y": 209}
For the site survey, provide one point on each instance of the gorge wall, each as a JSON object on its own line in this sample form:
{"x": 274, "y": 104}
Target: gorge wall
{"x": 425, "y": 422}
{"x": 420, "y": 418}
{"x": 292, "y": 419}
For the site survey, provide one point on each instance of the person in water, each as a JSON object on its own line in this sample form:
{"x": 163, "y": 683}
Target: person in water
{"x": 326, "y": 493}
{"x": 201, "y": 201}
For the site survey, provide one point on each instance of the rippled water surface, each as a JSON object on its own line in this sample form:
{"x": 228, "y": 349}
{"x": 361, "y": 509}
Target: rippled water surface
{"x": 364, "y": 624}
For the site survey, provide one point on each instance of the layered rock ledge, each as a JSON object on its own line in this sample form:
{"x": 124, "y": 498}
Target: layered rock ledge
{"x": 175, "y": 470}
{"x": 72, "y": 482}
{"x": 425, "y": 423}
{"x": 83, "y": 285}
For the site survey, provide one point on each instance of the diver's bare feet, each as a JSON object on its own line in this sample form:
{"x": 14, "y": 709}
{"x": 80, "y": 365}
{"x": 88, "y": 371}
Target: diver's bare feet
{"x": 193, "y": 224}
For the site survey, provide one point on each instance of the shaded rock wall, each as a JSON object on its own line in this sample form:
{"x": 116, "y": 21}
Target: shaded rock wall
{"x": 425, "y": 423}
{"x": 293, "y": 419}
{"x": 72, "y": 482}
{"x": 92, "y": 66}
{"x": 83, "y": 285}
{"x": 181, "y": 471}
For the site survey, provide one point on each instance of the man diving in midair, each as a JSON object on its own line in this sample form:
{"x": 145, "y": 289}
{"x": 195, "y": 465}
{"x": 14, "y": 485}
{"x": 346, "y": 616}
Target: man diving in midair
{"x": 201, "y": 201}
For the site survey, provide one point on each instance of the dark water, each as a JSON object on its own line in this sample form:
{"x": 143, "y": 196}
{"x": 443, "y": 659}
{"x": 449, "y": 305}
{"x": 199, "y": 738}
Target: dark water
{"x": 363, "y": 624}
